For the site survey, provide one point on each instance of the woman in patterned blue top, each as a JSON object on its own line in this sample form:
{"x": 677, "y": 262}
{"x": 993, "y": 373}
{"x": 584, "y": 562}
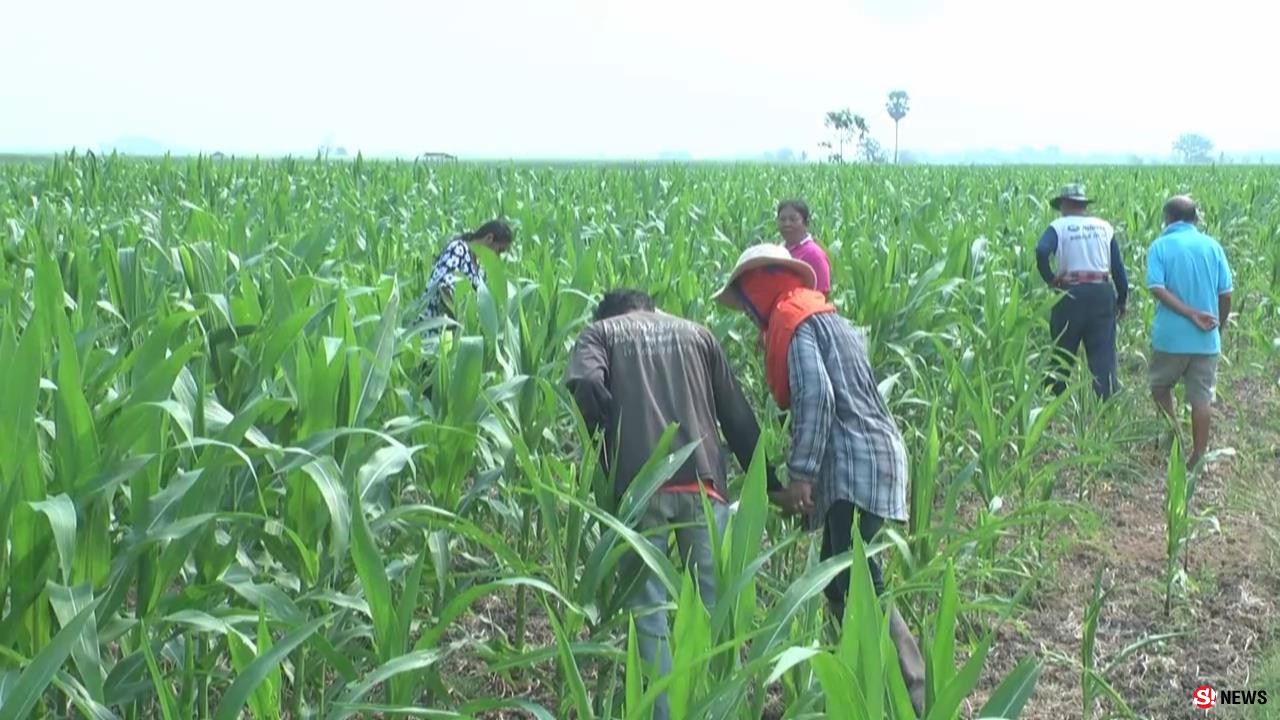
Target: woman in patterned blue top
{"x": 457, "y": 259}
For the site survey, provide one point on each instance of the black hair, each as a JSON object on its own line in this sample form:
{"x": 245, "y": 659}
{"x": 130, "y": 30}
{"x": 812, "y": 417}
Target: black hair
{"x": 622, "y": 301}
{"x": 1181, "y": 209}
{"x": 798, "y": 205}
{"x": 500, "y": 231}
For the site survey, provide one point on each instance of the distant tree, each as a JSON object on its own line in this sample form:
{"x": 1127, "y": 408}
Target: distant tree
{"x": 1193, "y": 148}
{"x": 849, "y": 129}
{"x": 870, "y": 151}
{"x": 898, "y": 105}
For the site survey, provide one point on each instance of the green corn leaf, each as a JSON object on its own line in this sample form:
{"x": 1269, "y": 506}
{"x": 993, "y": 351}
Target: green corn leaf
{"x": 1012, "y": 694}
{"x": 379, "y": 370}
{"x": 61, "y": 513}
{"x": 23, "y": 695}
{"x": 168, "y": 704}
{"x": 577, "y": 689}
{"x": 68, "y": 603}
{"x": 396, "y": 667}
{"x": 328, "y": 479}
{"x": 838, "y": 686}
{"x": 246, "y": 682}
{"x": 372, "y": 570}
{"x": 635, "y": 667}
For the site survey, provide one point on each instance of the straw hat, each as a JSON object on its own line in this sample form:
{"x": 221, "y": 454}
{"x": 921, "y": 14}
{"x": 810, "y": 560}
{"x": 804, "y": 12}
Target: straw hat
{"x": 759, "y": 256}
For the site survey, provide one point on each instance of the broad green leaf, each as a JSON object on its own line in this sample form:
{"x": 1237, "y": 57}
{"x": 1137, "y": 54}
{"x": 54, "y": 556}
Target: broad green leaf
{"x": 379, "y": 368}
{"x": 237, "y": 695}
{"x": 328, "y": 479}
{"x": 372, "y": 570}
{"x": 68, "y": 603}
{"x": 168, "y": 704}
{"x": 838, "y": 685}
{"x": 23, "y": 695}
{"x": 410, "y": 662}
{"x": 61, "y": 513}
{"x": 18, "y": 394}
{"x": 577, "y": 689}
{"x": 1012, "y": 694}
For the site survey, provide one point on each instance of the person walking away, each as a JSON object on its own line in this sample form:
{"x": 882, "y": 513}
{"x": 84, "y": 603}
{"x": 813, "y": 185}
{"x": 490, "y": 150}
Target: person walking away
{"x": 633, "y": 372}
{"x": 848, "y": 462}
{"x": 1088, "y": 255}
{"x": 1188, "y": 273}
{"x": 793, "y": 226}
{"x": 459, "y": 260}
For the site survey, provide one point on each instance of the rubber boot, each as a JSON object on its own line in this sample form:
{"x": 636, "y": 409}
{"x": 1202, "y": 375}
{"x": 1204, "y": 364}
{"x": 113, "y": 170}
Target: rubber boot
{"x": 909, "y": 659}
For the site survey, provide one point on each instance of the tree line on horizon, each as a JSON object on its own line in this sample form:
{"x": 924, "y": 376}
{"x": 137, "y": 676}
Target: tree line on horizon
{"x": 851, "y": 131}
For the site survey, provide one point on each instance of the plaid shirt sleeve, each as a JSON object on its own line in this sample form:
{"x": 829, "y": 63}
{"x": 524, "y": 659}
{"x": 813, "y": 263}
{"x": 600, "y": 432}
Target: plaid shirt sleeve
{"x": 812, "y": 406}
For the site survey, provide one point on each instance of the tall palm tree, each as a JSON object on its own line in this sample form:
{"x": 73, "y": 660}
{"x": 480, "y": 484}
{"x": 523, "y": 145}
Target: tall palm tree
{"x": 897, "y": 106}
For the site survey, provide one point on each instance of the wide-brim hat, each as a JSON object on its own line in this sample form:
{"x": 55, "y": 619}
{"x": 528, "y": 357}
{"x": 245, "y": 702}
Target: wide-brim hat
{"x": 762, "y": 256}
{"x": 1074, "y": 192}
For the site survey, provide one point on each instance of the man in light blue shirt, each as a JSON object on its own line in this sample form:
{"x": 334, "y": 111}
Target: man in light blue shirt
{"x": 1188, "y": 274}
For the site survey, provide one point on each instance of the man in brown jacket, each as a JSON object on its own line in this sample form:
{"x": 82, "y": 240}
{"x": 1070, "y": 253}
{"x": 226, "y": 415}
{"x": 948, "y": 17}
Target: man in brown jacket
{"x": 633, "y": 372}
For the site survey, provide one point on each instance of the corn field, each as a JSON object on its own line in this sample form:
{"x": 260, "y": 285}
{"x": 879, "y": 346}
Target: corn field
{"x": 239, "y": 479}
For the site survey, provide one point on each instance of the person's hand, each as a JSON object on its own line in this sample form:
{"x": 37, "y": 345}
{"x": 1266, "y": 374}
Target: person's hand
{"x": 1203, "y": 320}
{"x": 795, "y": 499}
{"x": 1120, "y": 312}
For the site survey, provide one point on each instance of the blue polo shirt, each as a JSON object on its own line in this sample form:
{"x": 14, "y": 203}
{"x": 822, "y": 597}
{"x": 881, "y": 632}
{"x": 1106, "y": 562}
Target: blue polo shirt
{"x": 1193, "y": 267}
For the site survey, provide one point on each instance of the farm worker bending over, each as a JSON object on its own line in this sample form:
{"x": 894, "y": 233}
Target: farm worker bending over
{"x": 1188, "y": 274}
{"x": 458, "y": 259}
{"x": 1088, "y": 256}
{"x": 848, "y": 463}
{"x": 793, "y": 226}
{"x": 633, "y": 372}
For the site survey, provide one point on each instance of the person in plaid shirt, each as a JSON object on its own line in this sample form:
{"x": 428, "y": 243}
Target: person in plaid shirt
{"x": 848, "y": 462}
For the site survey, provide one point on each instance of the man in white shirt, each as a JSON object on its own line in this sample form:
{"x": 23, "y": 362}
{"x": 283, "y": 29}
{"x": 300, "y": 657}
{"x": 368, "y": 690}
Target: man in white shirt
{"x": 1088, "y": 256}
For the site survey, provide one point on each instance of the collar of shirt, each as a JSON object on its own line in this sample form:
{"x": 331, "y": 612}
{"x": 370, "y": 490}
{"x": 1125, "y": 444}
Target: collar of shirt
{"x": 1177, "y": 227}
{"x": 807, "y": 239}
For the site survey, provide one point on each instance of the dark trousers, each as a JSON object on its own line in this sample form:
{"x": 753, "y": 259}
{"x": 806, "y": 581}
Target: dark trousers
{"x": 837, "y": 538}
{"x": 1085, "y": 314}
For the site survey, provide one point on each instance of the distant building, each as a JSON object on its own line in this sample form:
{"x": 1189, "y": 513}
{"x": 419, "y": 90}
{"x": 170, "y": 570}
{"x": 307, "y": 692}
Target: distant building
{"x": 437, "y": 157}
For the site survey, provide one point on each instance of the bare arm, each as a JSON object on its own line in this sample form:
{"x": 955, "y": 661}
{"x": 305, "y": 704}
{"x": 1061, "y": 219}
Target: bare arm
{"x": 1224, "y": 309}
{"x": 1166, "y": 296}
{"x": 1203, "y": 320}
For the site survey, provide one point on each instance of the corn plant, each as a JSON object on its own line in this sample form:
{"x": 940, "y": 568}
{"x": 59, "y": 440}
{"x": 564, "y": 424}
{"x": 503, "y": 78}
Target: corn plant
{"x": 238, "y": 477}
{"x": 1095, "y": 681}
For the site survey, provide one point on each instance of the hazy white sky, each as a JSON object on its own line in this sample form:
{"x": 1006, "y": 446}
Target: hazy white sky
{"x": 591, "y": 78}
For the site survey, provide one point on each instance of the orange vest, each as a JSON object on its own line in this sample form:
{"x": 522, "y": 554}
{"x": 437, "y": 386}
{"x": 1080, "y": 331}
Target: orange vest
{"x": 792, "y": 308}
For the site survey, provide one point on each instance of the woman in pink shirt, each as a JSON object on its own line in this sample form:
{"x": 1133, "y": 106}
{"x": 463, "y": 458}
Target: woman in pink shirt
{"x": 793, "y": 225}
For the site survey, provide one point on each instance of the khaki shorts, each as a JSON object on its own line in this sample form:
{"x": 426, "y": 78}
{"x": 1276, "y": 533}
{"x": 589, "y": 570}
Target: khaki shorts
{"x": 1199, "y": 374}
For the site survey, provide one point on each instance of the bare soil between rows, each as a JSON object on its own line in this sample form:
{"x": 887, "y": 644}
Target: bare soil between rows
{"x": 1228, "y": 616}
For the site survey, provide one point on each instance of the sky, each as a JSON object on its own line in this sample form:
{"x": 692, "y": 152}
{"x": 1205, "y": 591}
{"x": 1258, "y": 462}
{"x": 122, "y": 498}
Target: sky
{"x": 613, "y": 79}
